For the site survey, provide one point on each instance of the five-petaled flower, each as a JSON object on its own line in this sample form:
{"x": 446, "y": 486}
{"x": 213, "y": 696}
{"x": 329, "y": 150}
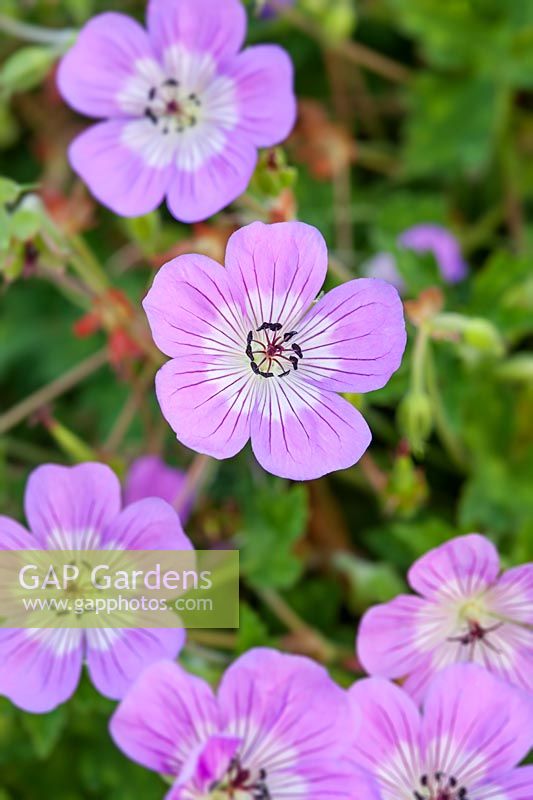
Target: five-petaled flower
{"x": 466, "y": 744}
{"x": 185, "y": 110}
{"x": 254, "y": 356}
{"x": 79, "y": 508}
{"x": 468, "y": 611}
{"x": 277, "y": 728}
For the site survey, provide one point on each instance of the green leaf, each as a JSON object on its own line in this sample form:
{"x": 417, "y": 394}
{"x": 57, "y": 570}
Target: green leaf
{"x": 252, "y": 630}
{"x": 44, "y": 730}
{"x": 274, "y": 520}
{"x": 26, "y": 69}
{"x": 369, "y": 582}
{"x": 453, "y": 125}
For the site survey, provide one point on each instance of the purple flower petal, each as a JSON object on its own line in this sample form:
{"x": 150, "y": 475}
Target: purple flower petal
{"x": 39, "y": 669}
{"x": 116, "y": 657}
{"x": 277, "y": 270}
{"x": 388, "y": 745}
{"x": 198, "y": 25}
{"x": 387, "y": 640}
{"x": 149, "y": 476}
{"x": 205, "y": 393}
{"x": 302, "y": 433}
{"x": 205, "y": 768}
{"x": 216, "y": 174}
{"x": 475, "y": 726}
{"x": 517, "y": 785}
{"x": 383, "y": 267}
{"x": 292, "y": 701}
{"x": 149, "y": 524}
{"x": 166, "y": 716}
{"x": 192, "y": 309}
{"x": 431, "y": 238}
{"x": 69, "y": 507}
{"x": 461, "y": 567}
{"x": 209, "y": 407}
{"x": 122, "y": 166}
{"x": 267, "y": 107}
{"x": 512, "y": 595}
{"x": 353, "y": 339}
{"x": 15, "y": 537}
{"x": 111, "y": 50}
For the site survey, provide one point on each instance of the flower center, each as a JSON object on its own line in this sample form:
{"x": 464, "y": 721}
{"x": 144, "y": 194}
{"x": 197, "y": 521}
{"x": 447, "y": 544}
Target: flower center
{"x": 238, "y": 784}
{"x": 272, "y": 353}
{"x": 440, "y": 786}
{"x": 172, "y": 108}
{"x": 474, "y": 634}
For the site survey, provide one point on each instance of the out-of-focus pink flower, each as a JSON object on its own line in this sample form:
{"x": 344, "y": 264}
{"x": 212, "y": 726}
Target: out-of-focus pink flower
{"x": 149, "y": 476}
{"x": 80, "y": 508}
{"x": 466, "y": 609}
{"x": 185, "y": 110}
{"x": 466, "y": 744}
{"x": 277, "y": 728}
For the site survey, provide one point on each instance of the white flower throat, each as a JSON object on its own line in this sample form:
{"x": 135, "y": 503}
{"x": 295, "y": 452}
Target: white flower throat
{"x": 172, "y": 108}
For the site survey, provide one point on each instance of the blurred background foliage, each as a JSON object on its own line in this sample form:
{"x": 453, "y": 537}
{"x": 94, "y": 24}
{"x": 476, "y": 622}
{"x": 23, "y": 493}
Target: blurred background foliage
{"x": 410, "y": 112}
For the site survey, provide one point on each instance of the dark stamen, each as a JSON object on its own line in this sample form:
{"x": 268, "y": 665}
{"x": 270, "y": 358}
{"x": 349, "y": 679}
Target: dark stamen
{"x": 150, "y": 114}
{"x": 298, "y": 350}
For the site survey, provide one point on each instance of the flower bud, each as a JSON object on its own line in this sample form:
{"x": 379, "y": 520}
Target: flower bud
{"x": 272, "y": 173}
{"x": 517, "y": 369}
{"x": 483, "y": 336}
{"x": 26, "y": 69}
{"x": 415, "y": 418}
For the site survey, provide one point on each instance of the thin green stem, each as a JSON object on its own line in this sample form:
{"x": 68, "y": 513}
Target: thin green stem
{"x": 34, "y": 33}
{"x": 53, "y": 390}
{"x": 442, "y": 424}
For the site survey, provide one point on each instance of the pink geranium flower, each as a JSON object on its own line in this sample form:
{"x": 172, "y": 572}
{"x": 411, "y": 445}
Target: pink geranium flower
{"x": 466, "y": 610}
{"x": 79, "y": 508}
{"x": 466, "y": 744}
{"x": 185, "y": 110}
{"x": 254, "y": 356}
{"x": 277, "y": 728}
{"x": 149, "y": 476}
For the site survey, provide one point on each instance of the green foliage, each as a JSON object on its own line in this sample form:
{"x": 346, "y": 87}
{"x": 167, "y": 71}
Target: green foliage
{"x": 273, "y": 521}
{"x": 447, "y": 138}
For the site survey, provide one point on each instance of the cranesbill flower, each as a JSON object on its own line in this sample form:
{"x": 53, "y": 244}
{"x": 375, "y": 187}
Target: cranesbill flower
{"x": 424, "y": 238}
{"x": 185, "y": 110}
{"x": 79, "y": 508}
{"x": 149, "y": 476}
{"x": 254, "y": 356}
{"x": 473, "y": 731}
{"x": 277, "y": 728}
{"x": 466, "y": 610}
